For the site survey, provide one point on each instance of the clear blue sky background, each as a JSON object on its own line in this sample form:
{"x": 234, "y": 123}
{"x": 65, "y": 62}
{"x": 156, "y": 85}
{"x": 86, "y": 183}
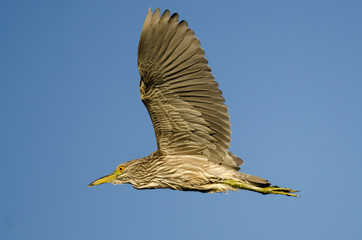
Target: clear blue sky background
{"x": 70, "y": 113}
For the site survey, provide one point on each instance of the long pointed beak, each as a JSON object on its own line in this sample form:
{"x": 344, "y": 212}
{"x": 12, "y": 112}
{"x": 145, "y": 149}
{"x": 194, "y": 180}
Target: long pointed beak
{"x": 104, "y": 179}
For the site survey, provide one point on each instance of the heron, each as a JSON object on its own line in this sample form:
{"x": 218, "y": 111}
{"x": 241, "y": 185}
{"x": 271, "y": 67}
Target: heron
{"x": 189, "y": 116}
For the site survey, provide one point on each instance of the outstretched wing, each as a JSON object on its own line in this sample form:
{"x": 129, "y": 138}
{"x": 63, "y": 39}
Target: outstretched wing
{"x": 186, "y": 107}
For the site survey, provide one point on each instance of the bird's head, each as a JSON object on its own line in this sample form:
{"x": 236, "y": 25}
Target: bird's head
{"x": 118, "y": 176}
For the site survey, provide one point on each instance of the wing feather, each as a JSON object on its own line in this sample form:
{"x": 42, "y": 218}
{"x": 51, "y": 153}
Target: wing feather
{"x": 184, "y": 102}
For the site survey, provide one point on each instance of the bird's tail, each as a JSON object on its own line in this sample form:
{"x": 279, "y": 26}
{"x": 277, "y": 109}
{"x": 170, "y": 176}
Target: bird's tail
{"x": 254, "y": 180}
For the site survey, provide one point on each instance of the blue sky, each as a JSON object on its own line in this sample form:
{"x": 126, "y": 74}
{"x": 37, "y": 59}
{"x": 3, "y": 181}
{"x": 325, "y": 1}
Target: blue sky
{"x": 290, "y": 72}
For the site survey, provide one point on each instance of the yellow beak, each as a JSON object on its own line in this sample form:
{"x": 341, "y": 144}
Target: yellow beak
{"x": 104, "y": 179}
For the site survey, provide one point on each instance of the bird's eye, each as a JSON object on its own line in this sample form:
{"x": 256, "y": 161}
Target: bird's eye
{"x": 121, "y": 168}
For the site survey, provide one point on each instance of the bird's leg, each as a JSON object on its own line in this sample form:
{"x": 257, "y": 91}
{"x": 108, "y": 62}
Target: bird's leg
{"x": 262, "y": 190}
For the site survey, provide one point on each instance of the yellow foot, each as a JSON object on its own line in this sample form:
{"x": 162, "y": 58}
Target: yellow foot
{"x": 279, "y": 190}
{"x": 265, "y": 190}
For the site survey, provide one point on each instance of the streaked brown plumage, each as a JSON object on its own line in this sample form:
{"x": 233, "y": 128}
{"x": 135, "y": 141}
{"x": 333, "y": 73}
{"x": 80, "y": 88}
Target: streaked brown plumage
{"x": 189, "y": 117}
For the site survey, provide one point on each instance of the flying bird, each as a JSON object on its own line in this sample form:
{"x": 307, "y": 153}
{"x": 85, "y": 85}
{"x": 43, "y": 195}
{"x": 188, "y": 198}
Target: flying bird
{"x": 190, "y": 119}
